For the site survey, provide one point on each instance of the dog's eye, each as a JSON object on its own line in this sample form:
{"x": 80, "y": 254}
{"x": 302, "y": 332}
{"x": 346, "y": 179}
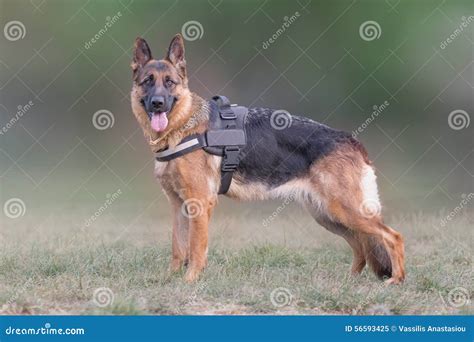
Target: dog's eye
{"x": 148, "y": 80}
{"x": 169, "y": 83}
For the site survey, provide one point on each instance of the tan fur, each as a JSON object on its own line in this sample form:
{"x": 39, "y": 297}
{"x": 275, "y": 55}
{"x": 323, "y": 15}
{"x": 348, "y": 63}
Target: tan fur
{"x": 343, "y": 196}
{"x": 297, "y": 189}
{"x": 189, "y": 109}
{"x": 182, "y": 183}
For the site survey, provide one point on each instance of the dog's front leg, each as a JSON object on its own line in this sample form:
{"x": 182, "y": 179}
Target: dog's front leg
{"x": 180, "y": 239}
{"x": 199, "y": 214}
{"x": 180, "y": 233}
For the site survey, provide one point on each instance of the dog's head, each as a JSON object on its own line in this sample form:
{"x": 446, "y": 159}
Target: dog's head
{"x": 160, "y": 94}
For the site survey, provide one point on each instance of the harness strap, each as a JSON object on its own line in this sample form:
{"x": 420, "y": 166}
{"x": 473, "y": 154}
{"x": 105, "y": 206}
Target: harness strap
{"x": 188, "y": 144}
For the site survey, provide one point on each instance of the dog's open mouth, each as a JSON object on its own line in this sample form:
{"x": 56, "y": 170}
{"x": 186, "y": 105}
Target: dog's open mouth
{"x": 159, "y": 121}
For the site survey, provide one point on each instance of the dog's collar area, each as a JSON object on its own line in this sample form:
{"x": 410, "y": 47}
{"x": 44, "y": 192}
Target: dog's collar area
{"x": 188, "y": 144}
{"x": 225, "y": 137}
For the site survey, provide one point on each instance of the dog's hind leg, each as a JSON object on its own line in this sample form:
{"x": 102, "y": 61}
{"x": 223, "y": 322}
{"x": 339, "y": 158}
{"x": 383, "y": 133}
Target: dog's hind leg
{"x": 343, "y": 185}
{"x": 365, "y": 248}
{"x": 352, "y": 238}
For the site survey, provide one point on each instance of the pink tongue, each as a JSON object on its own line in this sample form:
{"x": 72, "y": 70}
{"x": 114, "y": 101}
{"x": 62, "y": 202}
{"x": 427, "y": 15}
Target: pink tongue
{"x": 159, "y": 122}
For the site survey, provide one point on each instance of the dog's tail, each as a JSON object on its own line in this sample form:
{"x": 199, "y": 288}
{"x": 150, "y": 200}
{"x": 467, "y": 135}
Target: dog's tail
{"x": 376, "y": 255}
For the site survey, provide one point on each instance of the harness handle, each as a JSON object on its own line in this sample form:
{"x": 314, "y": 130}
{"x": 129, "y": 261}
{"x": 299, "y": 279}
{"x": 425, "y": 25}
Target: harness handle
{"x": 225, "y": 110}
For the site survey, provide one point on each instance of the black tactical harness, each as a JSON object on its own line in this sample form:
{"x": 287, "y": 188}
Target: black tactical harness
{"x": 225, "y": 137}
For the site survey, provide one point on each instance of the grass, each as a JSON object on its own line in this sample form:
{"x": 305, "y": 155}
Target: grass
{"x": 59, "y": 275}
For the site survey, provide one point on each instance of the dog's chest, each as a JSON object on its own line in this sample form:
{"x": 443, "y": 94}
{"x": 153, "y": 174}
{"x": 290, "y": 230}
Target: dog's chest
{"x": 160, "y": 169}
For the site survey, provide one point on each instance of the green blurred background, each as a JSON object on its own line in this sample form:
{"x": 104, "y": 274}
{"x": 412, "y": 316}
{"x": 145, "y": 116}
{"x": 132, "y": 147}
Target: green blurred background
{"x": 63, "y": 168}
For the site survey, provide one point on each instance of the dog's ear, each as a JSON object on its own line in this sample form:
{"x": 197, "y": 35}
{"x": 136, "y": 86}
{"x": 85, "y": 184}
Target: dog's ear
{"x": 141, "y": 54}
{"x": 176, "y": 54}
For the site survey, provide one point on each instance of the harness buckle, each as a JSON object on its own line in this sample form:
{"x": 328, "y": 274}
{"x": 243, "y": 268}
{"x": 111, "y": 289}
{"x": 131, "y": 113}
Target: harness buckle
{"x": 227, "y": 113}
{"x": 230, "y": 159}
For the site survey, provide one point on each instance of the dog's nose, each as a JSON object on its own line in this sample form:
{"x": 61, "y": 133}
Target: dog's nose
{"x": 157, "y": 102}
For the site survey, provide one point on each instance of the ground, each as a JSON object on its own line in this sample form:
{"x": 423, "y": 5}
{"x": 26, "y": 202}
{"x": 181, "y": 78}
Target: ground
{"x": 287, "y": 265}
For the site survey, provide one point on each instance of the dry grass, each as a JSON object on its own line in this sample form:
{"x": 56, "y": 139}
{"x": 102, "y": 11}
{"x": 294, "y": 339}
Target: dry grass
{"x": 56, "y": 271}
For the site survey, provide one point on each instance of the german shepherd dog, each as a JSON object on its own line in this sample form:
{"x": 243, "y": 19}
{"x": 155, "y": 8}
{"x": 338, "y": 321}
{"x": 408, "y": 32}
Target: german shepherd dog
{"x": 326, "y": 170}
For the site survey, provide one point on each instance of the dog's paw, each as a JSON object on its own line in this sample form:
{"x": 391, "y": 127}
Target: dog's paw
{"x": 192, "y": 275}
{"x": 175, "y": 265}
{"x": 394, "y": 281}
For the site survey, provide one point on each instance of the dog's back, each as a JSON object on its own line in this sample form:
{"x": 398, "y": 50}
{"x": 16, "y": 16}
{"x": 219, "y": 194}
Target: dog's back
{"x": 282, "y": 147}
